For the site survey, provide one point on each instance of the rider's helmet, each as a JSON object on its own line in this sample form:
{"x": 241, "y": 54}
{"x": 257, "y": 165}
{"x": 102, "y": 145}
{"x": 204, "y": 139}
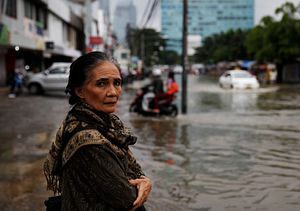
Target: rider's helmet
{"x": 156, "y": 72}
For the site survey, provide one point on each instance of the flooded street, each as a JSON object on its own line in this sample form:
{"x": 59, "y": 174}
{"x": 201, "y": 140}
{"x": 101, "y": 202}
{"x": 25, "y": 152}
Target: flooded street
{"x": 234, "y": 150}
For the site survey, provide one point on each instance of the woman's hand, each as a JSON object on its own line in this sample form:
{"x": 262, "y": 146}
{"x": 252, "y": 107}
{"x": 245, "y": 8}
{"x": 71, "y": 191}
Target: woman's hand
{"x": 144, "y": 187}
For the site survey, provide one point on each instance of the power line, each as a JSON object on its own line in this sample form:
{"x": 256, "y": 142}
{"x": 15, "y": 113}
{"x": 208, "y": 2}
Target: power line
{"x": 145, "y": 12}
{"x": 153, "y": 8}
{"x": 154, "y": 13}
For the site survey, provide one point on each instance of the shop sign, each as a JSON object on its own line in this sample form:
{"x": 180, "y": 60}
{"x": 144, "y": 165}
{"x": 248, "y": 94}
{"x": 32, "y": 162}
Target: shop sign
{"x": 95, "y": 40}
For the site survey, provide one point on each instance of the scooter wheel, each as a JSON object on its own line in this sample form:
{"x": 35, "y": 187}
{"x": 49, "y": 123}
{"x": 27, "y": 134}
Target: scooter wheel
{"x": 174, "y": 111}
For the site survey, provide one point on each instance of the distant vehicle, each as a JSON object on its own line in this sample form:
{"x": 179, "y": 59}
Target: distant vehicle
{"x": 238, "y": 79}
{"x": 178, "y": 69}
{"x": 55, "y": 78}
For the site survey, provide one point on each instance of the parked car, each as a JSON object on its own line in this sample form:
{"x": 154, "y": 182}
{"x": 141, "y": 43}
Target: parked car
{"x": 238, "y": 79}
{"x": 55, "y": 78}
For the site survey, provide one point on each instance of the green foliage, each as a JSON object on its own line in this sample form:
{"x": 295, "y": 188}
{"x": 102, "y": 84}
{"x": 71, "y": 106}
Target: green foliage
{"x": 169, "y": 57}
{"x": 270, "y": 41}
{"x": 146, "y": 44}
{"x": 276, "y": 41}
{"x": 223, "y": 46}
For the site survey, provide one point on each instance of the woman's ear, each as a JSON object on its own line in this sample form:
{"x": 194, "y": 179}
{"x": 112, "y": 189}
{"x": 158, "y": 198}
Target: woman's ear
{"x": 79, "y": 92}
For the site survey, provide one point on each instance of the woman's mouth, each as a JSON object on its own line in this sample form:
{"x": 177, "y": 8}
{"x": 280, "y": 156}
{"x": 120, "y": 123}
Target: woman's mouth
{"x": 110, "y": 103}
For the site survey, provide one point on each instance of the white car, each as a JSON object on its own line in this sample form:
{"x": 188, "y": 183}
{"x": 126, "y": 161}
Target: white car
{"x": 55, "y": 78}
{"x": 238, "y": 79}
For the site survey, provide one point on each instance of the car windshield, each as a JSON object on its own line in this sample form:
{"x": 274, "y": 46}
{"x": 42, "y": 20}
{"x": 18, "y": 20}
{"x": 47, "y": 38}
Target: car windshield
{"x": 242, "y": 75}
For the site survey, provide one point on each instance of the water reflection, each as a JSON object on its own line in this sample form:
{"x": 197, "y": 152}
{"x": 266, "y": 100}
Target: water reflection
{"x": 232, "y": 151}
{"x": 238, "y": 102}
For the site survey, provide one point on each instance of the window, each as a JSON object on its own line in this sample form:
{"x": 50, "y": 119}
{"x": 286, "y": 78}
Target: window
{"x": 28, "y": 8}
{"x": 58, "y": 70}
{"x": 37, "y": 13}
{"x": 124, "y": 55}
{"x": 11, "y": 8}
{"x": 1, "y": 6}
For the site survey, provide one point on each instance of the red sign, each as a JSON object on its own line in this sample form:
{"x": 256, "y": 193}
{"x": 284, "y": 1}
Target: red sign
{"x": 95, "y": 40}
{"x": 88, "y": 49}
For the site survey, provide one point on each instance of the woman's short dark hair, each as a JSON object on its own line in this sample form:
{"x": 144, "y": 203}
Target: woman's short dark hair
{"x": 80, "y": 69}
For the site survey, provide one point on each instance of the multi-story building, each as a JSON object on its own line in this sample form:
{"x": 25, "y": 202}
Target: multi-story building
{"x": 106, "y": 27}
{"x": 35, "y": 33}
{"x": 23, "y": 25}
{"x": 205, "y": 17}
{"x": 91, "y": 16}
{"x": 64, "y": 37}
{"x": 104, "y": 5}
{"x": 124, "y": 17}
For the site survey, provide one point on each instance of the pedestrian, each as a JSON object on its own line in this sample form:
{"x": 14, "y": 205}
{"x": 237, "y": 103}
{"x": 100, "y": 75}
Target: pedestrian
{"x": 90, "y": 163}
{"x": 16, "y": 84}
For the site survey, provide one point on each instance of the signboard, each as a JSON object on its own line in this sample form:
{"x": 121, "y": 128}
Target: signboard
{"x": 96, "y": 40}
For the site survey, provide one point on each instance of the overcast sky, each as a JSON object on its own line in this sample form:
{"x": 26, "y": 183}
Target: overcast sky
{"x": 268, "y": 7}
{"x": 262, "y": 8}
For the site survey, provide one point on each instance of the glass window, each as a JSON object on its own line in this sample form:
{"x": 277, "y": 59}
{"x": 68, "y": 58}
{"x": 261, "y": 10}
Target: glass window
{"x": 27, "y": 9}
{"x": 37, "y": 13}
{"x": 11, "y": 8}
{"x": 124, "y": 55}
{"x": 1, "y": 6}
{"x": 58, "y": 70}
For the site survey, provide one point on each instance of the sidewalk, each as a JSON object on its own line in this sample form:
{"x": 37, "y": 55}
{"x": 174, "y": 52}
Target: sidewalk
{"x": 4, "y": 91}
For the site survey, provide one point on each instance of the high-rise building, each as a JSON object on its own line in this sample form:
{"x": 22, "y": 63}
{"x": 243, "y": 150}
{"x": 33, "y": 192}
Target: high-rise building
{"x": 124, "y": 16}
{"x": 105, "y": 7}
{"x": 205, "y": 17}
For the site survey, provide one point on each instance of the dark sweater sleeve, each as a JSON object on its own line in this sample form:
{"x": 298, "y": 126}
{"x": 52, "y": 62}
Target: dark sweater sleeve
{"x": 100, "y": 178}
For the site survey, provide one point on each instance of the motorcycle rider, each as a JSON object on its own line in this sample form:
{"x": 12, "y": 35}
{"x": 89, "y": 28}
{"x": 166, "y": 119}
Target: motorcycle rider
{"x": 172, "y": 89}
{"x": 154, "y": 89}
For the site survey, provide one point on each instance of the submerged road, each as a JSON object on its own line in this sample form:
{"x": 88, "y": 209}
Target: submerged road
{"x": 234, "y": 150}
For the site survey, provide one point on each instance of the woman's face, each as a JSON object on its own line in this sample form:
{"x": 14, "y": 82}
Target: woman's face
{"x": 102, "y": 88}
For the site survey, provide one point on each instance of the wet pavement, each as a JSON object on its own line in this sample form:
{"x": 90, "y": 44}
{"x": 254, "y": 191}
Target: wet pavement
{"x": 234, "y": 150}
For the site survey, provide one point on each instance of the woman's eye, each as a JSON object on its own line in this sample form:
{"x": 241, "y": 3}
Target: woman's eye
{"x": 118, "y": 83}
{"x": 101, "y": 83}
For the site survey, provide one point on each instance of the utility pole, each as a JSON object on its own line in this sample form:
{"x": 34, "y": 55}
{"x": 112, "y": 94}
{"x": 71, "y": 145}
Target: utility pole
{"x": 142, "y": 51}
{"x": 142, "y": 46}
{"x": 184, "y": 59}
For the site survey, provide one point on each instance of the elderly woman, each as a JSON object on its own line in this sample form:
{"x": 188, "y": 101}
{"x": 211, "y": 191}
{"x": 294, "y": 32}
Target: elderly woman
{"x": 90, "y": 163}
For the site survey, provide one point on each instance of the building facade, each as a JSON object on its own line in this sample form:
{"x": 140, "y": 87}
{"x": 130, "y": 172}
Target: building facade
{"x": 36, "y": 33}
{"x": 124, "y": 17}
{"x": 205, "y": 18}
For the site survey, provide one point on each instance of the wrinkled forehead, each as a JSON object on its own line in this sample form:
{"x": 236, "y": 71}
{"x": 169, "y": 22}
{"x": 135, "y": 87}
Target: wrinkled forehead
{"x": 104, "y": 70}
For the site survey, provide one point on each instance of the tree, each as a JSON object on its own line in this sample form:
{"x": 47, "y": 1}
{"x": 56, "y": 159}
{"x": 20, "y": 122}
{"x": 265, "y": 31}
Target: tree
{"x": 169, "y": 57}
{"x": 276, "y": 41}
{"x": 146, "y": 44}
{"x": 223, "y": 46}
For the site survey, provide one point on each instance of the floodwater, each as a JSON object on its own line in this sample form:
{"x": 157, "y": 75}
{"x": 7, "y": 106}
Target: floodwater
{"x": 234, "y": 150}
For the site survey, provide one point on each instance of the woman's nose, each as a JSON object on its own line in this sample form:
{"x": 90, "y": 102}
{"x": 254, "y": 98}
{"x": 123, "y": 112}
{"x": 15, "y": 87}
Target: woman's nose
{"x": 111, "y": 90}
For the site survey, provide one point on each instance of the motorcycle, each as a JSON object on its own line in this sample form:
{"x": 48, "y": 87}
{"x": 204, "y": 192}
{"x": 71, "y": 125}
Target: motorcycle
{"x": 143, "y": 104}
